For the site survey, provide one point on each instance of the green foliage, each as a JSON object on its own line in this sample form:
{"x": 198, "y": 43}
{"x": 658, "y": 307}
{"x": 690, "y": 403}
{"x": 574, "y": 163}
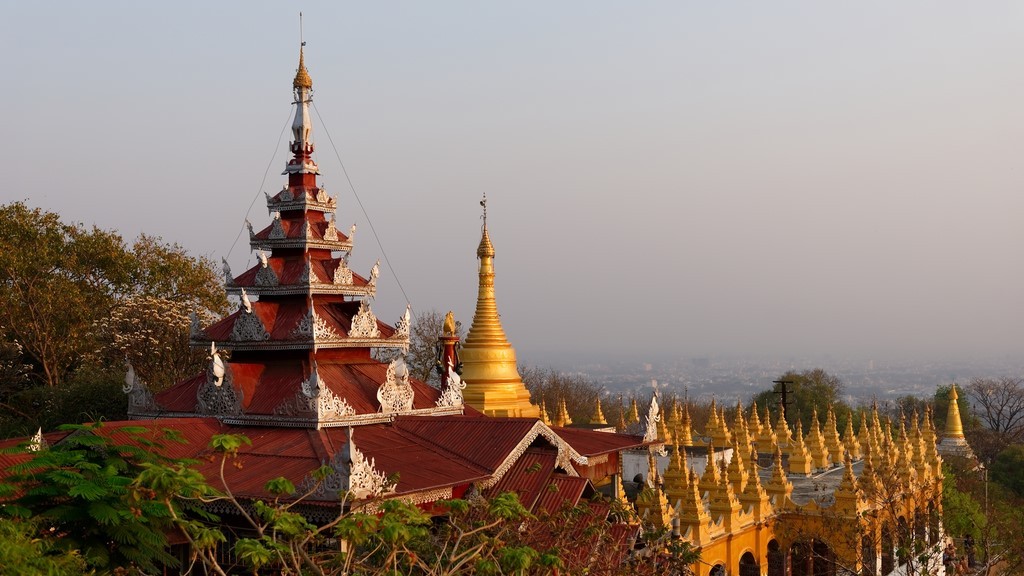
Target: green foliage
{"x": 1008, "y": 469}
{"x": 810, "y": 390}
{"x": 88, "y": 395}
{"x": 229, "y": 443}
{"x": 23, "y": 548}
{"x": 80, "y": 491}
{"x": 962, "y": 514}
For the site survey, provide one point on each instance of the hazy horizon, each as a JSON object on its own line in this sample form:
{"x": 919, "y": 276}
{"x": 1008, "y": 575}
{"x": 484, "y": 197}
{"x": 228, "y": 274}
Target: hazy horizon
{"x": 786, "y": 179}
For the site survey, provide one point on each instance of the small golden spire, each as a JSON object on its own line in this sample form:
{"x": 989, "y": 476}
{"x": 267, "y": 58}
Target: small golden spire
{"x": 302, "y": 78}
{"x": 598, "y": 414}
{"x": 954, "y": 427}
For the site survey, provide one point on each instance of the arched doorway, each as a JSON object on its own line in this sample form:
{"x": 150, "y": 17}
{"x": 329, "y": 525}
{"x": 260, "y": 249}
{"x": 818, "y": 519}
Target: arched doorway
{"x": 868, "y": 556}
{"x": 812, "y": 558}
{"x": 717, "y": 570}
{"x": 800, "y": 559}
{"x": 885, "y": 550}
{"x": 748, "y": 565}
{"x": 824, "y": 560}
{"x": 776, "y": 559}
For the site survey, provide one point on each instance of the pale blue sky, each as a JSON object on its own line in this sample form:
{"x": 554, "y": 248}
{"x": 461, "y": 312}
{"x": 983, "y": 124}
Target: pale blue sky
{"x": 693, "y": 178}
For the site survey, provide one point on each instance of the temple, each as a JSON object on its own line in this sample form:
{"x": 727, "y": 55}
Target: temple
{"x": 295, "y": 369}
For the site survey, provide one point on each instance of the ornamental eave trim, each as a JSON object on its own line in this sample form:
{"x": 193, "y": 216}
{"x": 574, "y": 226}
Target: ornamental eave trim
{"x": 566, "y": 453}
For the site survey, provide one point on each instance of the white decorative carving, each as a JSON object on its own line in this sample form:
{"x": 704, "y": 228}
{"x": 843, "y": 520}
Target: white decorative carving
{"x": 352, "y": 472}
{"x": 653, "y": 417}
{"x": 330, "y": 233}
{"x": 218, "y": 395}
{"x": 140, "y": 399}
{"x": 374, "y": 273}
{"x": 322, "y": 197}
{"x": 248, "y": 327}
{"x": 246, "y": 303}
{"x": 566, "y": 454}
{"x": 277, "y": 228}
{"x": 364, "y": 324}
{"x": 452, "y": 395}
{"x": 311, "y": 386}
{"x": 396, "y": 393}
{"x": 315, "y": 399}
{"x": 312, "y": 326}
{"x": 402, "y": 326}
{"x": 265, "y": 276}
{"x": 343, "y": 274}
{"x": 229, "y": 279}
{"x": 37, "y": 442}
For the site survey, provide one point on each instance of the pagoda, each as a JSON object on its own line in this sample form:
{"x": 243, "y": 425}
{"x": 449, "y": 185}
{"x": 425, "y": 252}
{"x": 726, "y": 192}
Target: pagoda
{"x": 298, "y": 351}
{"x": 493, "y": 383}
{"x": 294, "y": 369}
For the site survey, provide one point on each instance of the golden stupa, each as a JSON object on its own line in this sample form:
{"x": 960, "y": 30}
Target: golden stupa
{"x": 493, "y": 383}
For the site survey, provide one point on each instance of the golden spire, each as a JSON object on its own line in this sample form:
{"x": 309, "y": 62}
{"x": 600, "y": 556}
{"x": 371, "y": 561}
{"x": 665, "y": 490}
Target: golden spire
{"x": 685, "y": 436}
{"x": 850, "y": 442}
{"x": 544, "y": 413}
{"x": 598, "y": 414}
{"x": 634, "y": 412}
{"x": 954, "y": 427}
{"x": 302, "y": 78}
{"x": 493, "y": 383}
{"x": 709, "y": 481}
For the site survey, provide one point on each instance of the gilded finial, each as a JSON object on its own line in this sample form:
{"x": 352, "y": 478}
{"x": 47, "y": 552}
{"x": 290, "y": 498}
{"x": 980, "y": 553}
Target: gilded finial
{"x": 486, "y": 249}
{"x": 449, "y": 324}
{"x": 302, "y": 79}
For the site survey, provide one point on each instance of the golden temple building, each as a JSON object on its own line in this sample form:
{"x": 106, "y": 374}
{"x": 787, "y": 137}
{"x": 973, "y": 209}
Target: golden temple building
{"x": 493, "y": 383}
{"x": 820, "y": 505}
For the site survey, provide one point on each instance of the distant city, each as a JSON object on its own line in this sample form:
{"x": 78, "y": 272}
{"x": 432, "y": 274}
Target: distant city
{"x": 731, "y": 379}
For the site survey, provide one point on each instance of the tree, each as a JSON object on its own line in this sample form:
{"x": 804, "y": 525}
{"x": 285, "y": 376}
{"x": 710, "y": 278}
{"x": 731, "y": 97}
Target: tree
{"x": 999, "y": 403}
{"x": 423, "y": 341}
{"x": 578, "y": 391}
{"x": 61, "y": 281}
{"x": 57, "y": 280}
{"x": 21, "y": 547}
{"x": 807, "y": 391}
{"x": 1008, "y": 469}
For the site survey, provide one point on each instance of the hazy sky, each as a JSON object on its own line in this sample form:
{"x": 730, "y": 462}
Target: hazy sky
{"x": 693, "y": 178}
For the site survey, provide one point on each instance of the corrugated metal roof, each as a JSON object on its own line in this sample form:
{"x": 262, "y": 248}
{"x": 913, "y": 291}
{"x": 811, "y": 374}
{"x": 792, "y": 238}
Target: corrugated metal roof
{"x": 591, "y": 443}
{"x": 559, "y": 491}
{"x": 486, "y": 441}
{"x": 528, "y": 477}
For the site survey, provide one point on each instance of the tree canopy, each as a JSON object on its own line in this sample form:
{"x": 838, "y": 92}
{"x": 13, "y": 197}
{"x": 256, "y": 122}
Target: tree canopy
{"x": 807, "y": 390}
{"x": 75, "y": 298}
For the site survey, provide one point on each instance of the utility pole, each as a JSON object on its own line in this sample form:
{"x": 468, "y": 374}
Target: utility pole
{"x": 783, "y": 393}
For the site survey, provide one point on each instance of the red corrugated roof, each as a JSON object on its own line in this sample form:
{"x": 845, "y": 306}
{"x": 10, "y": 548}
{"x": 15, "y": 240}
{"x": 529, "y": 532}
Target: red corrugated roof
{"x": 486, "y": 441}
{"x": 560, "y": 490}
{"x": 592, "y": 443}
{"x": 528, "y": 477}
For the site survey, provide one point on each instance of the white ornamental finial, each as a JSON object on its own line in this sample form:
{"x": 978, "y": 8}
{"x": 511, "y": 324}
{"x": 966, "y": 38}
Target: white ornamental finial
{"x": 263, "y": 258}
{"x": 246, "y": 303}
{"x": 129, "y": 378}
{"x": 374, "y": 273}
{"x": 653, "y": 417}
{"x": 218, "y": 364}
{"x": 37, "y": 442}
{"x": 352, "y": 233}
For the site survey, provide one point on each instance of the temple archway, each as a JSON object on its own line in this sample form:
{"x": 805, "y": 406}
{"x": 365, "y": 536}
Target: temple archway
{"x": 776, "y": 559}
{"x": 885, "y": 550}
{"x": 717, "y": 570}
{"x": 868, "y": 556}
{"x": 749, "y": 566}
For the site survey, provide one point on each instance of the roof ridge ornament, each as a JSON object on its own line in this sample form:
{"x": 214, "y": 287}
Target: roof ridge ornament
{"x": 653, "y": 417}
{"x": 451, "y": 397}
{"x": 396, "y": 393}
{"x": 364, "y": 323}
{"x": 140, "y": 399}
